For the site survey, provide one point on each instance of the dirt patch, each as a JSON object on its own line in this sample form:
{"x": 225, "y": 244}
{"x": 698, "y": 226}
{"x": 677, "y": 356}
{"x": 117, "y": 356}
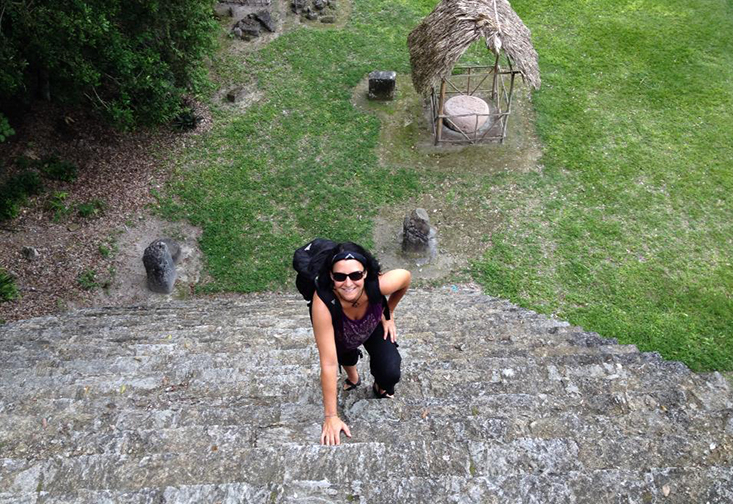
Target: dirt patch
{"x": 460, "y": 201}
{"x": 406, "y": 137}
{"x": 129, "y": 285}
{"x": 76, "y": 258}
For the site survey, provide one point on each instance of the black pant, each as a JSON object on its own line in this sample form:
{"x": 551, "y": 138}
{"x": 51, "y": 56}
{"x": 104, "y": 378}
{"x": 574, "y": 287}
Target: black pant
{"x": 384, "y": 359}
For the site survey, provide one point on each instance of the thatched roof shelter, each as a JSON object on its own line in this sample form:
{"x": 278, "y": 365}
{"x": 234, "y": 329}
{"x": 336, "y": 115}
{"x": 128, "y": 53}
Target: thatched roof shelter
{"x": 443, "y": 36}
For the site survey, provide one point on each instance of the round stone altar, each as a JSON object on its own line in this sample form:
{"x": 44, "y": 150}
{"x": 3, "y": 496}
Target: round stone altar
{"x": 467, "y": 113}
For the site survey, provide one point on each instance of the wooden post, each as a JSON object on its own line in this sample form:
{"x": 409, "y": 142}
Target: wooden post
{"x": 508, "y": 108}
{"x": 439, "y": 133}
{"x": 493, "y": 85}
{"x": 468, "y": 86}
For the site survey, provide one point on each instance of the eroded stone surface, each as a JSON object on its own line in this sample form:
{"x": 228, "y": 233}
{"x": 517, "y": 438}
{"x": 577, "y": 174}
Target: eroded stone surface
{"x": 219, "y": 401}
{"x": 466, "y": 113}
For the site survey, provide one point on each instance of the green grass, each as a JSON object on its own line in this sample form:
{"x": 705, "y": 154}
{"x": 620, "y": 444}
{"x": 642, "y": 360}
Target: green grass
{"x": 58, "y": 169}
{"x": 15, "y": 190}
{"x": 626, "y": 230}
{"x": 92, "y": 208}
{"x": 87, "y": 279}
{"x": 300, "y": 163}
{"x": 8, "y": 289}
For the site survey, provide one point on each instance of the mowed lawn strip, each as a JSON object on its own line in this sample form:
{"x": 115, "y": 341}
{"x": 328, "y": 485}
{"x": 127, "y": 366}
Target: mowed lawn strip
{"x": 628, "y": 231}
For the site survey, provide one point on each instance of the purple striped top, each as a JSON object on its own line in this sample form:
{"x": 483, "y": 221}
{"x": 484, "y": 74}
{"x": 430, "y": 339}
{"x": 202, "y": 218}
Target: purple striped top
{"x": 355, "y": 332}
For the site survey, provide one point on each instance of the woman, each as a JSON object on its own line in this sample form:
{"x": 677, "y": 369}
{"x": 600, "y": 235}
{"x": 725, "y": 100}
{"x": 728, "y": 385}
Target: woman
{"x": 351, "y": 277}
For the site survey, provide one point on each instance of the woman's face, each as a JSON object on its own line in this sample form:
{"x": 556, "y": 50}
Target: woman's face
{"x": 348, "y": 289}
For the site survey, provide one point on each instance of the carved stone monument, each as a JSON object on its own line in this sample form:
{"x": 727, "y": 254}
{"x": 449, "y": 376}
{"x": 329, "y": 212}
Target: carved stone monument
{"x": 417, "y": 235}
{"x": 160, "y": 260}
{"x": 382, "y": 85}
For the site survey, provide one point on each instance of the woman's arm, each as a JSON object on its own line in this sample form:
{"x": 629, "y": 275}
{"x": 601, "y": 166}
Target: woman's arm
{"x": 323, "y": 331}
{"x": 394, "y": 284}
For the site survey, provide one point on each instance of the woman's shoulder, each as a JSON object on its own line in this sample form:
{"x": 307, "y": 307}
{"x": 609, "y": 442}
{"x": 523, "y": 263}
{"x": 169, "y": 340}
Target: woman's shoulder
{"x": 394, "y": 280}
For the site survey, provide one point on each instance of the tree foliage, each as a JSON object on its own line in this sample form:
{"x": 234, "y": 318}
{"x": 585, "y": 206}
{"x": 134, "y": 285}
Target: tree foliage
{"x": 132, "y": 59}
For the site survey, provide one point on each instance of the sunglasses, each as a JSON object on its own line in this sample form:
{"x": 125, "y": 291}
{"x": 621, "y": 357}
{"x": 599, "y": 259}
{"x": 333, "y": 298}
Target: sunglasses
{"x": 354, "y": 275}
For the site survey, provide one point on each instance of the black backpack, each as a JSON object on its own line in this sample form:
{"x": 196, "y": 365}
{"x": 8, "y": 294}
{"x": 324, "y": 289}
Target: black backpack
{"x": 307, "y": 279}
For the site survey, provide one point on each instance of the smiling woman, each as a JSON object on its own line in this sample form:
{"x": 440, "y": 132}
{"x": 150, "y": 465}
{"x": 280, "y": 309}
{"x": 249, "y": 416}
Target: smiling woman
{"x": 351, "y": 308}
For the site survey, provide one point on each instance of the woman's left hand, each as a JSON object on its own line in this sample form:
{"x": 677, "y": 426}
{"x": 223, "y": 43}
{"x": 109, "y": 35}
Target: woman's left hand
{"x": 390, "y": 330}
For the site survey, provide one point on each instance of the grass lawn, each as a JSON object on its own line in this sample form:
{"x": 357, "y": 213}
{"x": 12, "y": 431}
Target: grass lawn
{"x": 627, "y": 228}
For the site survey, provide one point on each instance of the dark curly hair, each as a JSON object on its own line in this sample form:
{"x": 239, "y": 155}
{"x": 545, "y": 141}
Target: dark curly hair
{"x": 372, "y": 266}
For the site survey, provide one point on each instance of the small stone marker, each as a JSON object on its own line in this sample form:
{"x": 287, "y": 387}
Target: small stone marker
{"x": 30, "y": 253}
{"x": 247, "y": 28}
{"x": 159, "y": 260}
{"x": 416, "y": 232}
{"x": 474, "y": 112}
{"x": 235, "y": 95}
{"x": 313, "y": 10}
{"x": 223, "y": 10}
{"x": 265, "y": 18}
{"x": 382, "y": 85}
{"x": 250, "y": 27}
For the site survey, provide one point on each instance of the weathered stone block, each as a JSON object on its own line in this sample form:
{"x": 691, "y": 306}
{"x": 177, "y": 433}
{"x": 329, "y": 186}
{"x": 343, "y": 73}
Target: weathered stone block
{"x": 30, "y": 253}
{"x": 468, "y": 113}
{"x": 382, "y": 85}
{"x": 235, "y": 95}
{"x": 416, "y": 231}
{"x": 249, "y": 28}
{"x": 159, "y": 259}
{"x": 265, "y": 19}
{"x": 223, "y": 10}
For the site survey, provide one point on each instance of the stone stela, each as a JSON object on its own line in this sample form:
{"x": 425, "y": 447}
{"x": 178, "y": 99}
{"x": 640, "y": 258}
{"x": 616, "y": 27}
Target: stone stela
{"x": 418, "y": 237}
{"x": 160, "y": 258}
{"x": 382, "y": 85}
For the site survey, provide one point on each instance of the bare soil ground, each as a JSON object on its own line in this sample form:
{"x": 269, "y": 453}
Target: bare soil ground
{"x": 93, "y": 260}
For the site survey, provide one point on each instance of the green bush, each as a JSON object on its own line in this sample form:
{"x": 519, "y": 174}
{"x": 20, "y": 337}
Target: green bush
{"x": 57, "y": 169}
{"x": 186, "y": 120}
{"x": 131, "y": 59}
{"x": 9, "y": 208}
{"x": 57, "y": 205}
{"x": 8, "y": 290}
{"x": 5, "y": 129}
{"x": 29, "y": 182}
{"x": 87, "y": 279}
{"x": 15, "y": 191}
{"x": 93, "y": 208}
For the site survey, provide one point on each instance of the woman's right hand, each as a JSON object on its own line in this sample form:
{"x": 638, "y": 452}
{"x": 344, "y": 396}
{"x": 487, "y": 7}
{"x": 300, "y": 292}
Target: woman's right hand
{"x": 332, "y": 427}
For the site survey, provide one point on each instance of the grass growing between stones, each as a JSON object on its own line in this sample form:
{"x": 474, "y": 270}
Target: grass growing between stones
{"x": 627, "y": 231}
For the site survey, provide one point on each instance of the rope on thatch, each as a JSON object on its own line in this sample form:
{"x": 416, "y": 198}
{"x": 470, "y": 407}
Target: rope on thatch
{"x": 438, "y": 42}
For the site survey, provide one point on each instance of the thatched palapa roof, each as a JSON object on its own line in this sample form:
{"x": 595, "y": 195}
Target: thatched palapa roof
{"x": 440, "y": 39}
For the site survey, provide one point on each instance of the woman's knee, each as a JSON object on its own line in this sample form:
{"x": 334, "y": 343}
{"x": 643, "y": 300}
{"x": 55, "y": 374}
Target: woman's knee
{"x": 389, "y": 372}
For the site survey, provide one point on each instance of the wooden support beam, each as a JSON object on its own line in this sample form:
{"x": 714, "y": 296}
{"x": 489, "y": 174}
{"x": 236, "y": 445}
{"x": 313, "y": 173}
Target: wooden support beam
{"x": 441, "y": 105}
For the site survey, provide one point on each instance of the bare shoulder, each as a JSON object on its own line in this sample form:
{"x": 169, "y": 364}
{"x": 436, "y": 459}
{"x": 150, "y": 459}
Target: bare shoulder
{"x": 394, "y": 280}
{"x": 321, "y": 314}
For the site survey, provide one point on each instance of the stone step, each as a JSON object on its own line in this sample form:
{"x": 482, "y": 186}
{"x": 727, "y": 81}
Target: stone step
{"x": 663, "y": 484}
{"x": 566, "y": 377}
{"x": 630, "y": 440}
{"x": 181, "y": 409}
{"x": 225, "y": 463}
{"x": 220, "y": 399}
{"x": 188, "y": 358}
{"x": 75, "y": 430}
{"x": 20, "y": 364}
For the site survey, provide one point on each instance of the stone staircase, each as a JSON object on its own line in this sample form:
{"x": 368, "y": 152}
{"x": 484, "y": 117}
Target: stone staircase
{"x": 218, "y": 400}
